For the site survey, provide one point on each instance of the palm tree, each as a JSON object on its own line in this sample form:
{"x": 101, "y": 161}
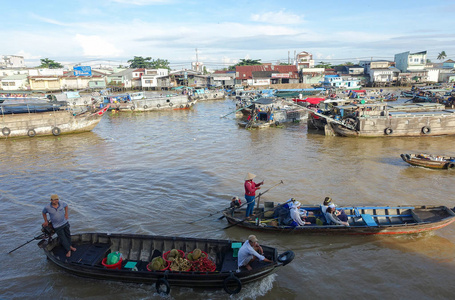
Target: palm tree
{"x": 442, "y": 55}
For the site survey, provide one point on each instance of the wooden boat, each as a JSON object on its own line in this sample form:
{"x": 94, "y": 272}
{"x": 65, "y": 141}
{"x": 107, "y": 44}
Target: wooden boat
{"x": 138, "y": 250}
{"x": 141, "y": 102}
{"x": 39, "y": 119}
{"x": 429, "y": 161}
{"x": 363, "y": 220}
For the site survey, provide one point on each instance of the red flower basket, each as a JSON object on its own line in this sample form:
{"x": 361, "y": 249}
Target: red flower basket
{"x": 118, "y": 265}
{"x": 182, "y": 254}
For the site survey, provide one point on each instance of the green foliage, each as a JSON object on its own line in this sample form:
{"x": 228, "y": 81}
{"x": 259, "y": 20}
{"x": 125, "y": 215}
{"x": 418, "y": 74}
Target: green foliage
{"x": 139, "y": 62}
{"x": 49, "y": 64}
{"x": 246, "y": 62}
{"x": 442, "y": 55}
{"x": 323, "y": 65}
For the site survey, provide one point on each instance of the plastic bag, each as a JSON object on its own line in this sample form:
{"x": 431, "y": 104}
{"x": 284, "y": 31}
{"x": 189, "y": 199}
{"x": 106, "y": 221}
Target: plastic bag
{"x": 113, "y": 258}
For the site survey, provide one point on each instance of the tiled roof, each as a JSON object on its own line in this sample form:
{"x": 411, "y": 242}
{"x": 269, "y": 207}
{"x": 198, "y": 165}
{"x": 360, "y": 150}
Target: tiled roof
{"x": 246, "y": 72}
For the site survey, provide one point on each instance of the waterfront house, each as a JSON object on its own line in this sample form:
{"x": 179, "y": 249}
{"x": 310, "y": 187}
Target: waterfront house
{"x": 222, "y": 78}
{"x": 448, "y": 64}
{"x": 14, "y": 82}
{"x": 304, "y": 60}
{"x": 409, "y": 62}
{"x": 266, "y": 74}
{"x": 155, "y": 79}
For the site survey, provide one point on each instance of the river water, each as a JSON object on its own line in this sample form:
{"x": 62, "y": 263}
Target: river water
{"x": 152, "y": 173}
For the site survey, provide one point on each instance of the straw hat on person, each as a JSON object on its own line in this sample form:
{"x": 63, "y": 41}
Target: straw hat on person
{"x": 252, "y": 238}
{"x": 249, "y": 176}
{"x": 54, "y": 197}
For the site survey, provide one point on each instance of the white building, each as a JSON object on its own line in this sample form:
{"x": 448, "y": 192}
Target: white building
{"x": 155, "y": 78}
{"x": 304, "y": 60}
{"x": 14, "y": 82}
{"x": 12, "y": 61}
{"x": 408, "y": 62}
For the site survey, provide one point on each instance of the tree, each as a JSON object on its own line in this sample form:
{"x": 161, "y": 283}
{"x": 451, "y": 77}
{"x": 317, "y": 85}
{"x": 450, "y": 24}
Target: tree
{"x": 246, "y": 62}
{"x": 139, "y": 62}
{"x": 442, "y": 55}
{"x": 49, "y": 64}
{"x": 323, "y": 65}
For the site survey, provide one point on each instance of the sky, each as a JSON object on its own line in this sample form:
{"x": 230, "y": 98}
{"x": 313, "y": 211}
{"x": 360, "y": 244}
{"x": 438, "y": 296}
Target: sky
{"x": 220, "y": 33}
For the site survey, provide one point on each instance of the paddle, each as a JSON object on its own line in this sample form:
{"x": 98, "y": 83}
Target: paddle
{"x": 214, "y": 214}
{"x": 235, "y": 111}
{"x": 257, "y": 215}
{"x": 260, "y": 194}
{"x": 35, "y": 238}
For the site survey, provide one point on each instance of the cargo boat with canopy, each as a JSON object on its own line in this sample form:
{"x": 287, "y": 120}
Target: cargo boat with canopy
{"x": 139, "y": 250}
{"x": 363, "y": 220}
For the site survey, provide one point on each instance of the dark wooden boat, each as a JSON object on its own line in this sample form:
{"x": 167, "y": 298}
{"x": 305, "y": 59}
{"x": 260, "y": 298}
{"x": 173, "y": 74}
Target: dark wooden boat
{"x": 139, "y": 250}
{"x": 363, "y": 220}
{"x": 429, "y": 161}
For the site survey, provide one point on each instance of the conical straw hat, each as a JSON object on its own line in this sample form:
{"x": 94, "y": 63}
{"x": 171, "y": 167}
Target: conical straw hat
{"x": 249, "y": 176}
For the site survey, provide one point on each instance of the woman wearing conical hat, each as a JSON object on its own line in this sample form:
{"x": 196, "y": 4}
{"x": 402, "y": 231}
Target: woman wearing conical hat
{"x": 250, "y": 192}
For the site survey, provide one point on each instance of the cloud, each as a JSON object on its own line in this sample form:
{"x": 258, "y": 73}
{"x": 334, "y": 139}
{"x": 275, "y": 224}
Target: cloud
{"x": 280, "y": 17}
{"x": 143, "y": 2}
{"x": 93, "y": 45}
{"x": 50, "y": 21}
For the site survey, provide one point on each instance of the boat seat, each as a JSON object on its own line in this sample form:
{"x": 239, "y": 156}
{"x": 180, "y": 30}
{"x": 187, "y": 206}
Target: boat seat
{"x": 368, "y": 219}
{"x": 87, "y": 254}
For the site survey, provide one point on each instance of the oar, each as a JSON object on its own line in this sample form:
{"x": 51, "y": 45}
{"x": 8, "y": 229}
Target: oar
{"x": 235, "y": 208}
{"x": 257, "y": 215}
{"x": 35, "y": 238}
{"x": 235, "y": 111}
{"x": 260, "y": 194}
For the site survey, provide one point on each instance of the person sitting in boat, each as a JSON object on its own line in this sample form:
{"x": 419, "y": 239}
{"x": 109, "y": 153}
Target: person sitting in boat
{"x": 339, "y": 213}
{"x": 283, "y": 214}
{"x": 235, "y": 202}
{"x": 297, "y": 218}
{"x": 332, "y": 218}
{"x": 249, "y": 252}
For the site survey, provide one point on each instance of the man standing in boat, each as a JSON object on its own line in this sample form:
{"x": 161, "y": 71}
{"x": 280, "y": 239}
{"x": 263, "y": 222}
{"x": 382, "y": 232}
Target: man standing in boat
{"x": 58, "y": 214}
{"x": 250, "y": 192}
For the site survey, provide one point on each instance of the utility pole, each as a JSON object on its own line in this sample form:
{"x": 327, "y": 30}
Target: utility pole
{"x": 289, "y": 57}
{"x": 197, "y": 63}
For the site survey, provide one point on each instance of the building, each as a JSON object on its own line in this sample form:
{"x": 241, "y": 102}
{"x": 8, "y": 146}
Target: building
{"x": 266, "y": 74}
{"x": 336, "y": 81}
{"x": 222, "y": 79}
{"x": 304, "y": 60}
{"x": 14, "y": 82}
{"x": 448, "y": 64}
{"x": 155, "y": 78}
{"x": 408, "y": 62}
{"x": 12, "y": 61}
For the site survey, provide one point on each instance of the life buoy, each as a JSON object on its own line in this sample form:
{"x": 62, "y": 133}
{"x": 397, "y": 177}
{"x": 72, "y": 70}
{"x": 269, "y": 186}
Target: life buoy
{"x": 232, "y": 279}
{"x": 56, "y": 131}
{"x": 450, "y": 166}
{"x": 160, "y": 283}
{"x": 132, "y": 107}
{"x": 158, "y": 105}
{"x": 426, "y": 129}
{"x": 170, "y": 103}
{"x": 181, "y": 106}
{"x": 31, "y": 132}
{"x": 388, "y": 131}
{"x": 286, "y": 257}
{"x": 6, "y": 131}
{"x": 145, "y": 106}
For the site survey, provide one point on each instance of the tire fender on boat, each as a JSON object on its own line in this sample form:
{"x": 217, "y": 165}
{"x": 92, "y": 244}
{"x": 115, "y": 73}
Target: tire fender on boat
{"x": 145, "y": 106}
{"x": 286, "y": 257}
{"x": 388, "y": 131}
{"x": 181, "y": 106}
{"x": 277, "y": 123}
{"x": 31, "y": 132}
{"x": 56, "y": 131}
{"x": 132, "y": 107}
{"x": 170, "y": 103}
{"x": 187, "y": 106}
{"x": 229, "y": 280}
{"x": 158, "y": 105}
{"x": 160, "y": 283}
{"x": 450, "y": 166}
{"x": 426, "y": 129}
{"x": 6, "y": 131}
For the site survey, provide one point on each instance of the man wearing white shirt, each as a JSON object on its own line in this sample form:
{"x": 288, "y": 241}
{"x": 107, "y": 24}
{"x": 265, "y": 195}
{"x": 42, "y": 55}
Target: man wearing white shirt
{"x": 249, "y": 251}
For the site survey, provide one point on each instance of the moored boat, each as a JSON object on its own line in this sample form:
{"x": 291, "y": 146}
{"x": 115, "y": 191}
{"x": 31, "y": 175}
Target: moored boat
{"x": 141, "y": 101}
{"x": 429, "y": 161}
{"x": 138, "y": 250}
{"x": 40, "y": 118}
{"x": 363, "y": 220}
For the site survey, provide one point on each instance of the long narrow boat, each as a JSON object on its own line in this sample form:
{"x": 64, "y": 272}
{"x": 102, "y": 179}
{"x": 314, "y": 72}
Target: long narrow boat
{"x": 139, "y": 250}
{"x": 363, "y": 220}
{"x": 45, "y": 118}
{"x": 429, "y": 161}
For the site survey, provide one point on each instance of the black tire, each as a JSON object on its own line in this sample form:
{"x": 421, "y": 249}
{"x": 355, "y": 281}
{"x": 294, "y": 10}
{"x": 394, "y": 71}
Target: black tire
{"x": 229, "y": 281}
{"x": 132, "y": 107}
{"x": 408, "y": 157}
{"x": 187, "y": 106}
{"x": 451, "y": 166}
{"x": 158, "y": 105}
{"x": 31, "y": 132}
{"x": 162, "y": 282}
{"x": 56, "y": 131}
{"x": 6, "y": 131}
{"x": 85, "y": 101}
{"x": 277, "y": 123}
{"x": 286, "y": 257}
{"x": 170, "y": 103}
{"x": 426, "y": 130}
{"x": 388, "y": 131}
{"x": 145, "y": 106}
{"x": 181, "y": 106}
{"x": 74, "y": 103}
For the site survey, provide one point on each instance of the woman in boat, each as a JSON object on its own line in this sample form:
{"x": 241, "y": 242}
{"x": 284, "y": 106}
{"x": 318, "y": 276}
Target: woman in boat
{"x": 297, "y": 219}
{"x": 332, "y": 218}
{"x": 250, "y": 192}
{"x": 249, "y": 251}
{"x": 339, "y": 213}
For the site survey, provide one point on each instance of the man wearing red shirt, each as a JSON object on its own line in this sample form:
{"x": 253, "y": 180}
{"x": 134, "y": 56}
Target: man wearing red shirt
{"x": 250, "y": 192}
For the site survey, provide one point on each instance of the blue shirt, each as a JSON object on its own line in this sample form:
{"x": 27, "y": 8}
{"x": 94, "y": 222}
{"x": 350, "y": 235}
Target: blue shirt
{"x": 56, "y": 215}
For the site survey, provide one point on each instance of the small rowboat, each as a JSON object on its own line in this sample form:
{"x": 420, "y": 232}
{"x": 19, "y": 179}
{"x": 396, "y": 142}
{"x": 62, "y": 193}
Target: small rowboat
{"x": 138, "y": 250}
{"x": 429, "y": 161}
{"x": 363, "y": 220}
